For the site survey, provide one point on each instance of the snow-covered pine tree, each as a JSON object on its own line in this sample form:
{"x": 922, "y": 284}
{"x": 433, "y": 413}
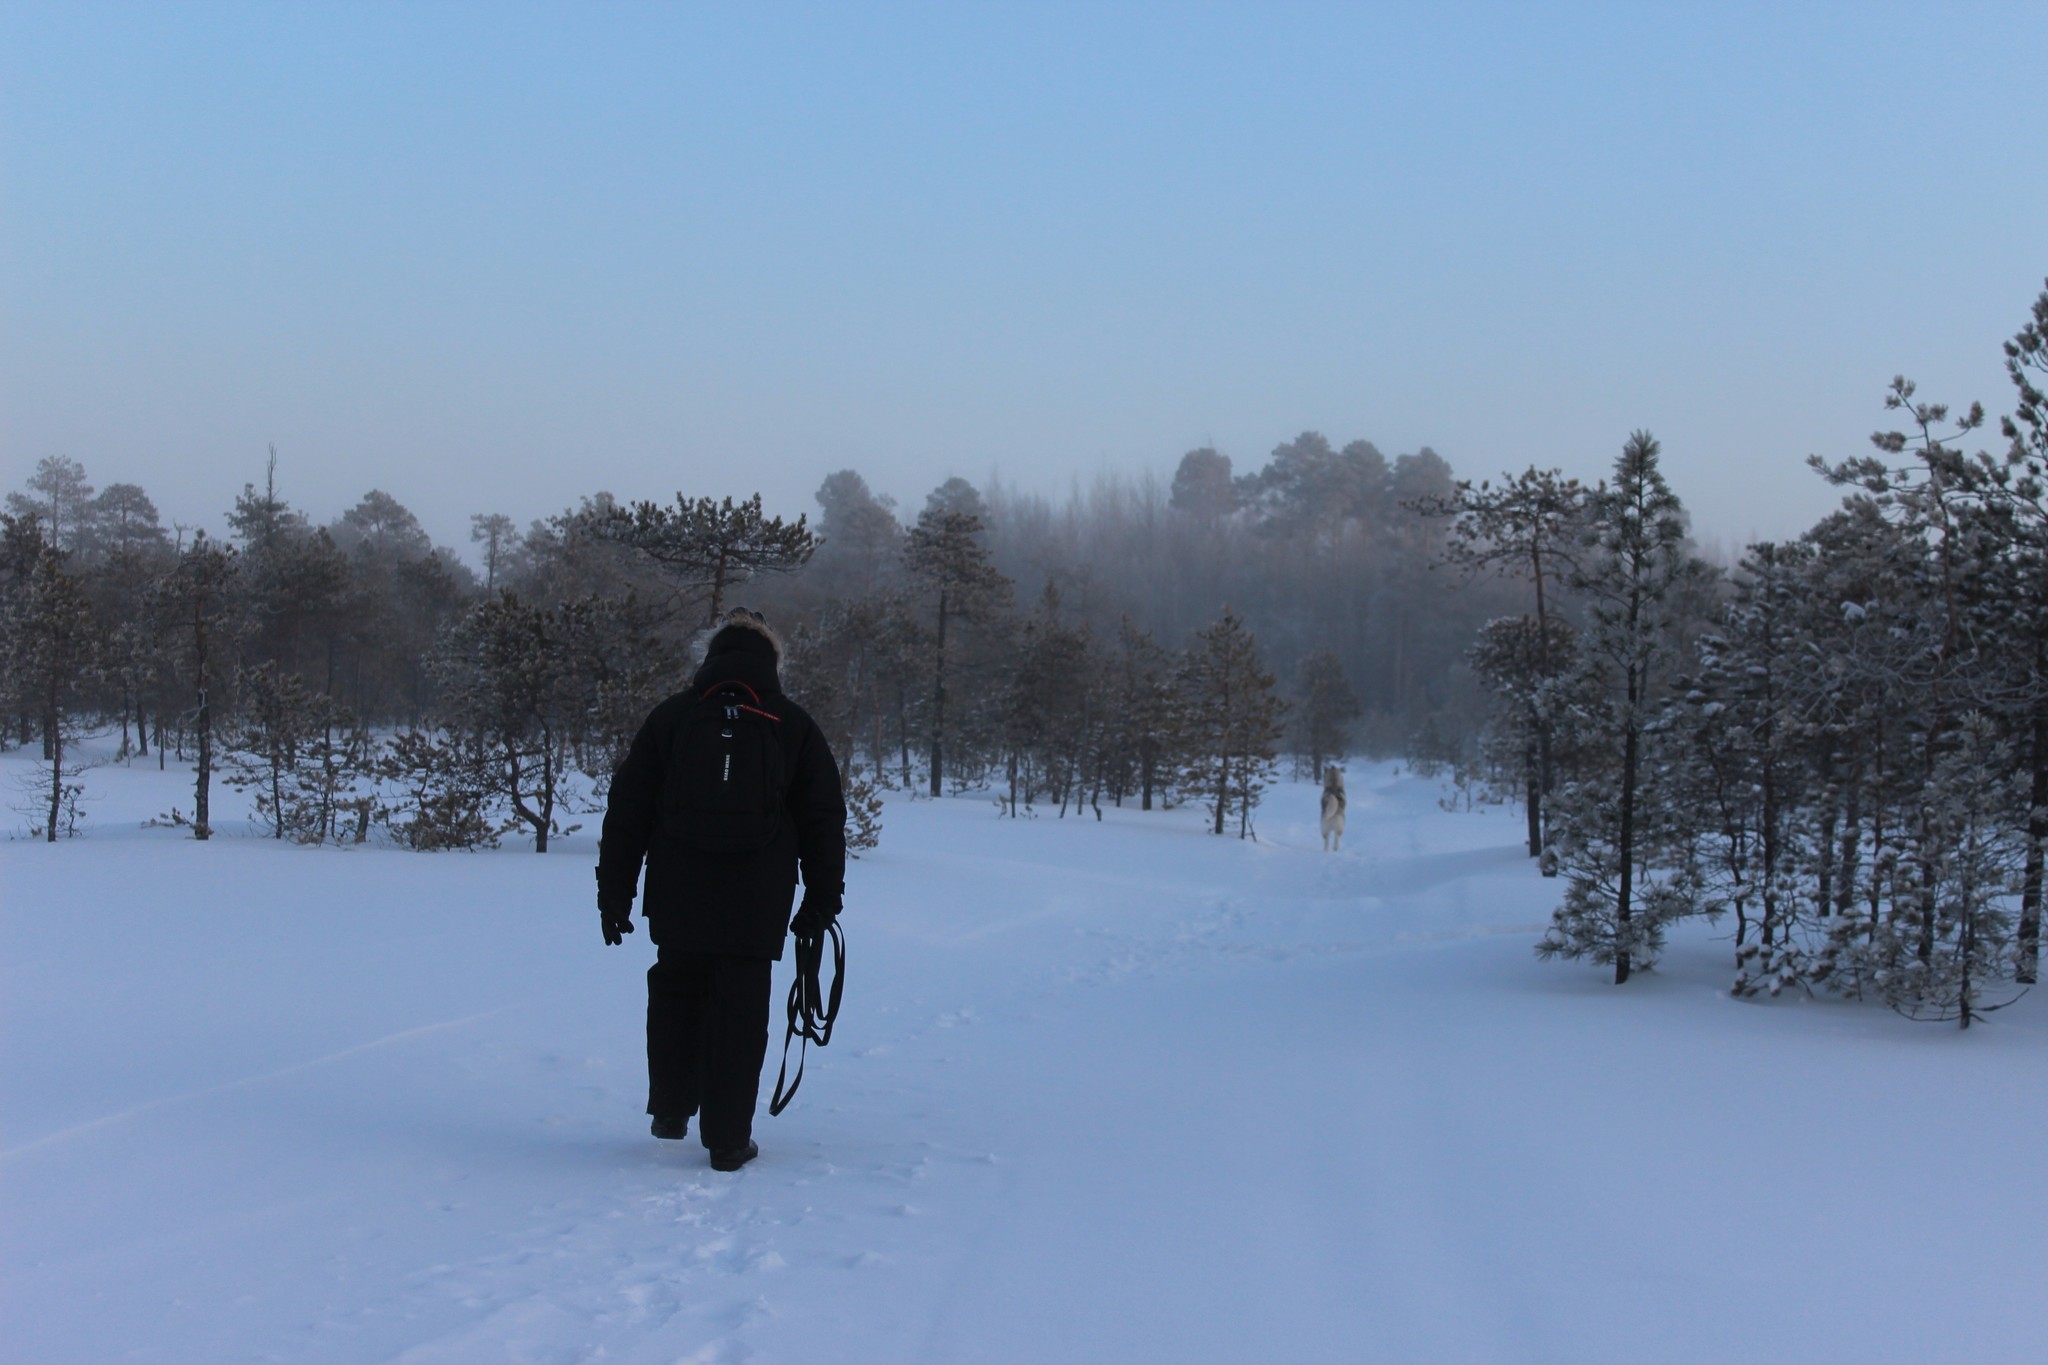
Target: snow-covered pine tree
{"x": 1937, "y": 947}
{"x": 2022, "y": 497}
{"x": 1849, "y": 702}
{"x": 1617, "y": 821}
{"x": 1945, "y": 951}
{"x": 863, "y": 810}
{"x": 1736, "y": 769}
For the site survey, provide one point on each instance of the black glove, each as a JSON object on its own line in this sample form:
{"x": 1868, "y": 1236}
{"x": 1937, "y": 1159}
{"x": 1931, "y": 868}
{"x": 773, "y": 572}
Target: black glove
{"x": 617, "y": 921}
{"x": 812, "y": 919}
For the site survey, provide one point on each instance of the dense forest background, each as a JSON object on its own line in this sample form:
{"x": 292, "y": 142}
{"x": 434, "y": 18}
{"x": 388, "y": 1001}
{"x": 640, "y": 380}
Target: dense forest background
{"x": 1321, "y": 556}
{"x": 1841, "y": 741}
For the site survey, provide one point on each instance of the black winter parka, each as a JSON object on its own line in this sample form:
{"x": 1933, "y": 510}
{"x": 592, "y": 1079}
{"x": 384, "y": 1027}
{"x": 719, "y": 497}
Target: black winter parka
{"x": 723, "y": 902}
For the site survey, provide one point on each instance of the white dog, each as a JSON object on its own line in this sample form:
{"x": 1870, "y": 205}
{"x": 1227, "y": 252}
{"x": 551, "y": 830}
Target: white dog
{"x": 1333, "y": 808}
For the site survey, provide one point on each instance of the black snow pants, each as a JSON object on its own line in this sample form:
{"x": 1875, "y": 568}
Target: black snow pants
{"x": 707, "y": 1036}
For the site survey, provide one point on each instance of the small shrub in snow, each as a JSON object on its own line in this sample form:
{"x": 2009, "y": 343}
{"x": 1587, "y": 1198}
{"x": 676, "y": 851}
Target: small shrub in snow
{"x": 863, "y": 812}
{"x": 444, "y": 793}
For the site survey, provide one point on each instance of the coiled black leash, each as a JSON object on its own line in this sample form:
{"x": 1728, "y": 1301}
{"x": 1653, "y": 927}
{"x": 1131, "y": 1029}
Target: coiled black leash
{"x": 805, "y": 1021}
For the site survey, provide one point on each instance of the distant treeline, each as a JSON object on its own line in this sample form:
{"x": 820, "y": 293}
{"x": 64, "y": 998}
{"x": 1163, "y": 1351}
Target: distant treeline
{"x": 1843, "y": 742}
{"x": 356, "y": 676}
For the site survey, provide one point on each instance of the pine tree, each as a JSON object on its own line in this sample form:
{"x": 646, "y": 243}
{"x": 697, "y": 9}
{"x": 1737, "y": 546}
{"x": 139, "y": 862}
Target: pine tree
{"x": 1233, "y": 722}
{"x": 49, "y": 656}
{"x": 121, "y": 524}
{"x": 1203, "y": 487}
{"x": 381, "y": 530}
{"x": 445, "y": 785}
{"x": 1943, "y": 959}
{"x": 1736, "y": 765}
{"x": 401, "y": 593}
{"x": 2022, "y": 497}
{"x": 707, "y": 547}
{"x": 1634, "y": 566}
{"x": 617, "y": 666}
{"x": 58, "y": 498}
{"x": 1047, "y": 716}
{"x": 260, "y": 520}
{"x": 274, "y": 721}
{"x": 299, "y": 587}
{"x": 843, "y": 671}
{"x": 859, "y": 536}
{"x": 124, "y": 547}
{"x": 508, "y": 686}
{"x": 197, "y": 603}
{"x": 1528, "y": 528}
{"x": 1530, "y": 665}
{"x": 830, "y": 670}
{"x": 1143, "y": 738}
{"x": 946, "y": 558}
{"x": 496, "y": 533}
{"x": 1932, "y": 953}
{"x": 1325, "y": 707}
{"x": 300, "y": 756}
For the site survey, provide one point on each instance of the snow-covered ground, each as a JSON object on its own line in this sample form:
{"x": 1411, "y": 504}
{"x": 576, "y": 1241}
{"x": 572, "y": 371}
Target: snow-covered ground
{"x": 1118, "y": 1092}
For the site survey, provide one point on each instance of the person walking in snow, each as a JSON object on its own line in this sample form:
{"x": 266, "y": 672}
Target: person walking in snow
{"x": 728, "y": 792}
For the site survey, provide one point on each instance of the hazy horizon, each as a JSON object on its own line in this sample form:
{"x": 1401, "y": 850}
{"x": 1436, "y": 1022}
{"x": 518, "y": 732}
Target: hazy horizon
{"x": 494, "y": 259}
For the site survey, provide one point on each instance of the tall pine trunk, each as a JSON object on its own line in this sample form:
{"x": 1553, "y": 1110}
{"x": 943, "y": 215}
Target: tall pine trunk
{"x": 2027, "y": 965}
{"x": 1631, "y": 758}
{"x": 1535, "y": 806}
{"x": 1222, "y": 791}
{"x": 202, "y": 827}
{"x": 56, "y": 758}
{"x": 1623, "y": 910}
{"x": 1546, "y": 774}
{"x": 547, "y": 793}
{"x": 939, "y": 702}
{"x": 277, "y": 762}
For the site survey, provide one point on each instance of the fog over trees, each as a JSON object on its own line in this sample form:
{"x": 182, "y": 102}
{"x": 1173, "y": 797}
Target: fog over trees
{"x": 1840, "y": 742}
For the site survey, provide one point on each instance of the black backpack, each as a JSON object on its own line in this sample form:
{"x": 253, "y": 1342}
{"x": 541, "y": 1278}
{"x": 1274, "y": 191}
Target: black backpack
{"x": 726, "y": 778}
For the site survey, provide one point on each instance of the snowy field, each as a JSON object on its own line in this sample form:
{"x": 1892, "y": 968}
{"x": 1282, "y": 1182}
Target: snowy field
{"x": 1119, "y": 1093}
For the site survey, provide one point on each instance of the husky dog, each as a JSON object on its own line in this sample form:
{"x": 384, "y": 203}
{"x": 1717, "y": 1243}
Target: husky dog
{"x": 1333, "y": 808}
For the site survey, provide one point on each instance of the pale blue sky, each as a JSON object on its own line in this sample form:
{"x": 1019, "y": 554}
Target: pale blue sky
{"x": 495, "y": 257}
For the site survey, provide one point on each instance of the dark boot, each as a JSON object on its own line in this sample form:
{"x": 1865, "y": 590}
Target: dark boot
{"x": 670, "y": 1126}
{"x": 736, "y": 1157}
